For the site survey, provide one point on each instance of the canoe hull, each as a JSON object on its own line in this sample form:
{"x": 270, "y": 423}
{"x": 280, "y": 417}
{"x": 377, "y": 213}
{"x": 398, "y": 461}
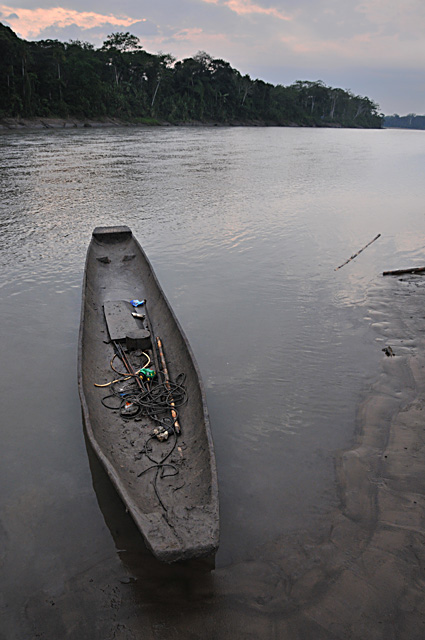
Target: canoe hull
{"x": 176, "y": 513}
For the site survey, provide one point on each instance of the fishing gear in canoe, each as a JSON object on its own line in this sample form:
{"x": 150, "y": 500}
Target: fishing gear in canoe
{"x": 141, "y": 391}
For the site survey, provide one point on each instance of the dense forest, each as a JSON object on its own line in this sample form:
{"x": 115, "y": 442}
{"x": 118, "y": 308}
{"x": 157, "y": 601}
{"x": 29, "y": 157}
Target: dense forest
{"x": 121, "y": 80}
{"x": 411, "y": 121}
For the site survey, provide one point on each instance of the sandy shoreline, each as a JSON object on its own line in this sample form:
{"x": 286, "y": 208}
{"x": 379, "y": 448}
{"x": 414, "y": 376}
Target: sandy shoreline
{"x": 382, "y": 483}
{"x": 366, "y": 579}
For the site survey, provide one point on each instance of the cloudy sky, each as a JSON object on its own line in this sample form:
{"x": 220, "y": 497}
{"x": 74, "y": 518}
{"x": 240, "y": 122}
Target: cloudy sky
{"x": 376, "y": 48}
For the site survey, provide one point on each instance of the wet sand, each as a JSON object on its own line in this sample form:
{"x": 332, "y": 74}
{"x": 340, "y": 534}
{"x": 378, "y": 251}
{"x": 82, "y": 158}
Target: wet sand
{"x": 362, "y": 576}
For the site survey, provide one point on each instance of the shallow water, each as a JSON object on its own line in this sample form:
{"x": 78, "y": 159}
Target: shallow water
{"x": 244, "y": 228}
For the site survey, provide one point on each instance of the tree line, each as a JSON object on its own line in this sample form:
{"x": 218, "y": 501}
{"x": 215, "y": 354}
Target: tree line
{"x": 411, "y": 121}
{"x": 122, "y": 80}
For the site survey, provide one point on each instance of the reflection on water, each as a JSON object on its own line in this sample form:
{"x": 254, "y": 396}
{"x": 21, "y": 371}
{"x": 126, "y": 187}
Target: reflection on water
{"x": 244, "y": 228}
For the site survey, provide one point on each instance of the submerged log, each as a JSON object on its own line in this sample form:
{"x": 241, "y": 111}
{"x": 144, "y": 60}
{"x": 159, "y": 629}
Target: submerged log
{"x": 399, "y": 272}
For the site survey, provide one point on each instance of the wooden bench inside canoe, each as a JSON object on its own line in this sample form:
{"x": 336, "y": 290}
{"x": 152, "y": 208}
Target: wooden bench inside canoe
{"x": 175, "y": 503}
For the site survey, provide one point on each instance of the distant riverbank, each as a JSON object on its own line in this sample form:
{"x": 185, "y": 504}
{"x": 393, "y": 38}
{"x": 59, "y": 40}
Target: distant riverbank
{"x": 66, "y": 123}
{"x": 77, "y": 123}
{"x": 123, "y": 81}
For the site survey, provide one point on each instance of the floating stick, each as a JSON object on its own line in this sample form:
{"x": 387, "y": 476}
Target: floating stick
{"x": 358, "y": 252}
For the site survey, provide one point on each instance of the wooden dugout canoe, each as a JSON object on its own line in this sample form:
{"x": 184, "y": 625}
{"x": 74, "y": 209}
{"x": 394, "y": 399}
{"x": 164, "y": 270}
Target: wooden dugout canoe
{"x": 175, "y": 506}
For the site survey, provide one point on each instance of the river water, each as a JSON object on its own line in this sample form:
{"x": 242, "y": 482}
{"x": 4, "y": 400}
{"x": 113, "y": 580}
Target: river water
{"x": 244, "y": 228}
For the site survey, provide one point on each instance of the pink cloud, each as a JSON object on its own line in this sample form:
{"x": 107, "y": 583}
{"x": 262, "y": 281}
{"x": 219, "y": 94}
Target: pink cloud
{"x": 189, "y": 34}
{"x": 30, "y": 22}
{"x": 245, "y": 7}
{"x": 196, "y": 37}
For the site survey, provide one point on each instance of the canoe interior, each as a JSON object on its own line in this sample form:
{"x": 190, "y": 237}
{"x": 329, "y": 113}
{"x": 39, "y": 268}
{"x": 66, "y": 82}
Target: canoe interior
{"x": 177, "y": 514}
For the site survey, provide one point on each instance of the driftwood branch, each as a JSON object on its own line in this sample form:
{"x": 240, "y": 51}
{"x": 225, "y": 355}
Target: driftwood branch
{"x": 358, "y": 252}
{"x": 399, "y": 272}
